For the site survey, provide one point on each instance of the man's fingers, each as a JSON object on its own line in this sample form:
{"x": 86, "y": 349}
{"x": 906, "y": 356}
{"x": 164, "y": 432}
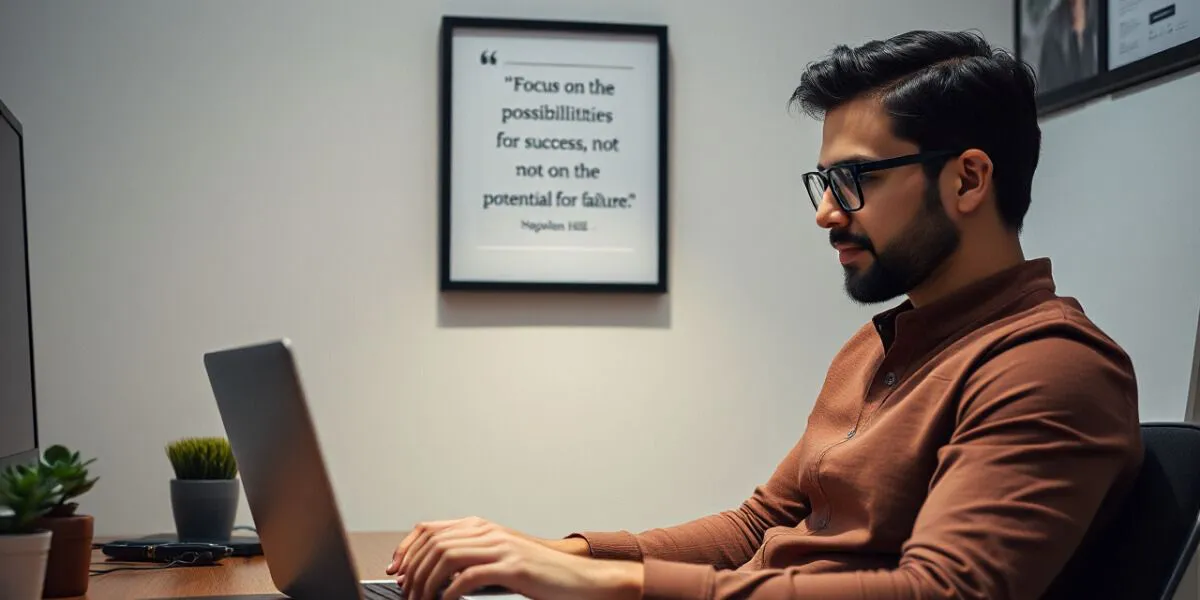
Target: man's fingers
{"x": 400, "y": 557}
{"x": 416, "y": 555}
{"x": 454, "y": 560}
{"x": 398, "y": 553}
{"x": 479, "y": 576}
{"x": 421, "y": 534}
{"x": 419, "y": 570}
{"x": 421, "y": 531}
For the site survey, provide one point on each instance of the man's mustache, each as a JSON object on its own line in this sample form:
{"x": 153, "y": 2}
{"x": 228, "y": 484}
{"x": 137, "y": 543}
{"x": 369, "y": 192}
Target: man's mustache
{"x": 843, "y": 236}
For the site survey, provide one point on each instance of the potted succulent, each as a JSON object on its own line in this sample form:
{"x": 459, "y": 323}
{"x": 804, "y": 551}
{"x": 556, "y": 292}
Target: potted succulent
{"x": 25, "y": 494}
{"x": 205, "y": 490}
{"x": 71, "y": 545}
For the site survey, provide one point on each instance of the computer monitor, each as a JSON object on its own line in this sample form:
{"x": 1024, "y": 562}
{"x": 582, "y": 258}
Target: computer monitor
{"x": 18, "y": 405}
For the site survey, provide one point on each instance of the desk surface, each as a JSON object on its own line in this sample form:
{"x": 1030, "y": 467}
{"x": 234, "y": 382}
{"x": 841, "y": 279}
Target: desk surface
{"x": 241, "y": 578}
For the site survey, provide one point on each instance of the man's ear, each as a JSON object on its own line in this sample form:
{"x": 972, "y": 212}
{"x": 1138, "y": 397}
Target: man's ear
{"x": 973, "y": 180}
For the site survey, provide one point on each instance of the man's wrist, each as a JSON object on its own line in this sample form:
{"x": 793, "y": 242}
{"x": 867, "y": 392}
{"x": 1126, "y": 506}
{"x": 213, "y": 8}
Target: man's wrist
{"x": 574, "y": 546}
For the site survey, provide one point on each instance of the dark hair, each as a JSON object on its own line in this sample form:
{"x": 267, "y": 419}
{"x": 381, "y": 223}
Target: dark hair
{"x": 944, "y": 91}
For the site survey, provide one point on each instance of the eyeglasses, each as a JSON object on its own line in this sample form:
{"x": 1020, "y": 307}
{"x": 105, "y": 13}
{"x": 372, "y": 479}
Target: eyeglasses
{"x": 846, "y": 179}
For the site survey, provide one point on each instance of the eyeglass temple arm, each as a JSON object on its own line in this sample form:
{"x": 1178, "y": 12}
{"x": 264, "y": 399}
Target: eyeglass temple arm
{"x": 900, "y": 161}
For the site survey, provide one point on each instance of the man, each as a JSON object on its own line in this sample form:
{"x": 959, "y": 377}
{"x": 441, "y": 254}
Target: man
{"x": 967, "y": 443}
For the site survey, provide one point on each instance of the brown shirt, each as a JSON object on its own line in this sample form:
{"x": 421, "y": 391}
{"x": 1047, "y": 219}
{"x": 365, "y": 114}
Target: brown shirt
{"x": 964, "y": 449}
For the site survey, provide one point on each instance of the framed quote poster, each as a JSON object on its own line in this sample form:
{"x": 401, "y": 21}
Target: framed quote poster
{"x": 1083, "y": 49}
{"x": 553, "y": 157}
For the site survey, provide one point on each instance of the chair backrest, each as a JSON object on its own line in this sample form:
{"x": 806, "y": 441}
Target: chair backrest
{"x": 1147, "y": 549}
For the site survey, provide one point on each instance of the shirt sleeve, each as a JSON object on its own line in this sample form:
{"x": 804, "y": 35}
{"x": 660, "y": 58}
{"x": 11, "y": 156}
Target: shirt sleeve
{"x": 1045, "y": 430}
{"x": 725, "y": 540}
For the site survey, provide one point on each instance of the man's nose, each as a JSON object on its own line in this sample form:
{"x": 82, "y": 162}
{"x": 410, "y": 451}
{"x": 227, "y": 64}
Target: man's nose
{"x": 829, "y": 213}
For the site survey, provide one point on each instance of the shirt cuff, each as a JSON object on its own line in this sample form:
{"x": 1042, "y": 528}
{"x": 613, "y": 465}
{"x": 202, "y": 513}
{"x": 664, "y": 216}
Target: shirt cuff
{"x": 665, "y": 580}
{"x": 612, "y": 545}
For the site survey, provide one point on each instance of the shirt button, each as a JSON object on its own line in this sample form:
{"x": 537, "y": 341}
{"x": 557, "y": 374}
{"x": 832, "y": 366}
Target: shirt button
{"x": 889, "y": 379}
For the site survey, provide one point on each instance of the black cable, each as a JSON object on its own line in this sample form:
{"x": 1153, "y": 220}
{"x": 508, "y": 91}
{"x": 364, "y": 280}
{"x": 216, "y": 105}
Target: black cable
{"x": 170, "y": 565}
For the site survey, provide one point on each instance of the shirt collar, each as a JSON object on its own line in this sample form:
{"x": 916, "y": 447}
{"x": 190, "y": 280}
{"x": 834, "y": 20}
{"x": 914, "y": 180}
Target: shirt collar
{"x": 969, "y": 306}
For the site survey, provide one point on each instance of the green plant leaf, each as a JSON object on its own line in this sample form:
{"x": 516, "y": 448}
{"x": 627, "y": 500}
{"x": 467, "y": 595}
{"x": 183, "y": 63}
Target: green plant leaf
{"x": 57, "y": 453}
{"x": 62, "y": 466}
{"x": 28, "y": 493}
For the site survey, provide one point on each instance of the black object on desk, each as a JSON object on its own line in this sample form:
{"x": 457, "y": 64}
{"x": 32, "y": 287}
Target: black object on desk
{"x": 243, "y": 545}
{"x": 191, "y": 553}
{"x": 238, "y": 545}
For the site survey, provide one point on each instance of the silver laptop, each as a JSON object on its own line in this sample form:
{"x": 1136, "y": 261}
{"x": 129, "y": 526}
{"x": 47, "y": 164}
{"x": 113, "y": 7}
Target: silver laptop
{"x": 291, "y": 500}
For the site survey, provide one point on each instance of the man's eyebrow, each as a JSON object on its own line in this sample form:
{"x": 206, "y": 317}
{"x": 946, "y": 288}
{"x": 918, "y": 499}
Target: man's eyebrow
{"x": 849, "y": 160}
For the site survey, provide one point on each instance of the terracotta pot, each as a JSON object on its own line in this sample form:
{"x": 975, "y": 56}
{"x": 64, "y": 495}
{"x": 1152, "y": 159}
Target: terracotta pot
{"x": 70, "y": 555}
{"x": 23, "y": 565}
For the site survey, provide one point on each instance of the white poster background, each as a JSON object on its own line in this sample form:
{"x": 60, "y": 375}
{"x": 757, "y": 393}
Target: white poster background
{"x": 1132, "y": 36}
{"x": 497, "y": 243}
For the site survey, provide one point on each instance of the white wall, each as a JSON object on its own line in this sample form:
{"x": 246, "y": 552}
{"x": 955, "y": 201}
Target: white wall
{"x": 208, "y": 174}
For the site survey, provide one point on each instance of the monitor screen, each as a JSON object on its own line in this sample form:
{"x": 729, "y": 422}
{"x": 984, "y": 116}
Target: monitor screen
{"x": 18, "y": 414}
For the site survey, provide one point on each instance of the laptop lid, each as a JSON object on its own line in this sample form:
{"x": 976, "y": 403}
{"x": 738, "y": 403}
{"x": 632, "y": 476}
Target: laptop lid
{"x": 268, "y": 424}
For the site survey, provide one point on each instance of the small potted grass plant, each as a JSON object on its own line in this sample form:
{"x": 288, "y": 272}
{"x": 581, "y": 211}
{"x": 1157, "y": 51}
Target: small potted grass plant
{"x": 205, "y": 491}
{"x": 26, "y": 494}
{"x": 67, "y": 571}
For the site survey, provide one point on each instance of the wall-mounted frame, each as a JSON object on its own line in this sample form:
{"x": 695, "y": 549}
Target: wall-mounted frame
{"x": 1084, "y": 49}
{"x": 553, "y": 155}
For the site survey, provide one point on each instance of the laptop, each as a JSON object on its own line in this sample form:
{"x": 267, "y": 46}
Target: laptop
{"x": 266, "y": 418}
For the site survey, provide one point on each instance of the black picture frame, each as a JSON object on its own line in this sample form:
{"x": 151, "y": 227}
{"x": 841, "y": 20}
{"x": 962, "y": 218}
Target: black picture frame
{"x": 450, "y": 24}
{"x": 1107, "y": 80}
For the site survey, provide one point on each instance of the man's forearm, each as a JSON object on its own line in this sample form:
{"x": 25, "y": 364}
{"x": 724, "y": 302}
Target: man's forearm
{"x": 725, "y": 540}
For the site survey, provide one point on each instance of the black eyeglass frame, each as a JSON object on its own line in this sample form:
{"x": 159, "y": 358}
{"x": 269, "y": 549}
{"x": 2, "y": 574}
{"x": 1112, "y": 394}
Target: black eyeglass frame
{"x": 857, "y": 169}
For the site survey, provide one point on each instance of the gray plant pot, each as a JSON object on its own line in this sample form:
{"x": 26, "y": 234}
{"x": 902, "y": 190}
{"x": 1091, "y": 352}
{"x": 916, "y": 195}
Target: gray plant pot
{"x": 204, "y": 509}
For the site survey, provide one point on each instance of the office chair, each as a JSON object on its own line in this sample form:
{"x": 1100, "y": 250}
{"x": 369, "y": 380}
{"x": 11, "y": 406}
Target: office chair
{"x": 1147, "y": 549}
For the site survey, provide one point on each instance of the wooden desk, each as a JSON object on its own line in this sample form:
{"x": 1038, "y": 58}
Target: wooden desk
{"x": 240, "y": 578}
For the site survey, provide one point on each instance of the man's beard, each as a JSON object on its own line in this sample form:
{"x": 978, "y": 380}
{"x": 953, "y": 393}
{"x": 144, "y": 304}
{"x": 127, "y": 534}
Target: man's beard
{"x": 916, "y": 252}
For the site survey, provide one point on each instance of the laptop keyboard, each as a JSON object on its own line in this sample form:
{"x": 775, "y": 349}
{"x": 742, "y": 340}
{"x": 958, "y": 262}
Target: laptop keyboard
{"x": 377, "y": 590}
{"x": 382, "y": 591}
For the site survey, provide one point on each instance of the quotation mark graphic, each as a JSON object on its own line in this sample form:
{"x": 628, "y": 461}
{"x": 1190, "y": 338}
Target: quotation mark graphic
{"x": 487, "y": 59}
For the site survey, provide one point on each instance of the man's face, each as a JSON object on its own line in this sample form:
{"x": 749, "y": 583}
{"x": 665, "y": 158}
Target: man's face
{"x": 902, "y": 233}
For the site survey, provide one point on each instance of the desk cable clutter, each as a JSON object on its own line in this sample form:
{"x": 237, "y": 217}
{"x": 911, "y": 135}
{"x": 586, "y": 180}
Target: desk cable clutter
{"x": 174, "y": 554}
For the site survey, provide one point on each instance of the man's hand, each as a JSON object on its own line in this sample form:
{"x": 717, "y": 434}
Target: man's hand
{"x": 468, "y": 554}
{"x": 422, "y": 531}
